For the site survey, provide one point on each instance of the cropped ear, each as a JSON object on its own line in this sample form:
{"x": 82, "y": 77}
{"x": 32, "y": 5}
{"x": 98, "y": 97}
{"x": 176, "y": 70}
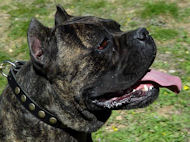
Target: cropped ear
{"x": 61, "y": 15}
{"x": 37, "y": 40}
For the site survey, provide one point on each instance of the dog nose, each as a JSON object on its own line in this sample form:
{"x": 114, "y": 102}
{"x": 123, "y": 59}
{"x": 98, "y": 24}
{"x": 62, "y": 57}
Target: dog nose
{"x": 141, "y": 34}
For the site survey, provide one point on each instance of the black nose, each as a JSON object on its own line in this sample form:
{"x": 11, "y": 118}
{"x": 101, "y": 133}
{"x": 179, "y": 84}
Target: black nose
{"x": 141, "y": 34}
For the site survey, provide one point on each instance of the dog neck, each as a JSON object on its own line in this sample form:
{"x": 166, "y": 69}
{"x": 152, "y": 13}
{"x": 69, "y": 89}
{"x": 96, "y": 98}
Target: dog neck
{"x": 19, "y": 124}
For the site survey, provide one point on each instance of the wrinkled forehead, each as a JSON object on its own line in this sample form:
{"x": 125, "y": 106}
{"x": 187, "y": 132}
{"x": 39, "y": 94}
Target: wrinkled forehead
{"x": 87, "y": 31}
{"x": 110, "y": 25}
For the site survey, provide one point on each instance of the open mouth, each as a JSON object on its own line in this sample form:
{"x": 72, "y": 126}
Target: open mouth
{"x": 144, "y": 91}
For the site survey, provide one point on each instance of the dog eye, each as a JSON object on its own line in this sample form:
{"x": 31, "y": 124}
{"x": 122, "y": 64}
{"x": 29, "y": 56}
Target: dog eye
{"x": 103, "y": 45}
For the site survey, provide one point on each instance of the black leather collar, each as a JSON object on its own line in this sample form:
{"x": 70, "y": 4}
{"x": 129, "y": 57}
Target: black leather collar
{"x": 39, "y": 112}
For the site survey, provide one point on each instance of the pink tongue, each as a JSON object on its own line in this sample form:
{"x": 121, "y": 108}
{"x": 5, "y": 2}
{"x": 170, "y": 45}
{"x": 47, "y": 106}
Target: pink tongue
{"x": 164, "y": 80}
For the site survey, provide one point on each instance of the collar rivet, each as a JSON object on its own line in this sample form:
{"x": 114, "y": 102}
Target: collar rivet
{"x": 41, "y": 114}
{"x": 23, "y": 98}
{"x": 17, "y": 90}
{"x": 31, "y": 106}
{"x": 53, "y": 120}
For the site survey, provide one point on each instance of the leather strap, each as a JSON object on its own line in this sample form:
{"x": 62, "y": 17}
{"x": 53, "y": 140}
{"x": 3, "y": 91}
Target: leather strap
{"x": 35, "y": 109}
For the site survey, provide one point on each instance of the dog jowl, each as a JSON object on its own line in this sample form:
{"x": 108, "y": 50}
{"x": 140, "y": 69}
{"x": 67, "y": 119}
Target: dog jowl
{"x": 80, "y": 70}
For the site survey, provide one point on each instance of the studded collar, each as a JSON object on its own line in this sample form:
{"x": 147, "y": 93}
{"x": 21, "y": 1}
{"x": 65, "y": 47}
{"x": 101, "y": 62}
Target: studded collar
{"x": 29, "y": 104}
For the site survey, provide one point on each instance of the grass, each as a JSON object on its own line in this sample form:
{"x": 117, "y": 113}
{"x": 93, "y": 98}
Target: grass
{"x": 166, "y": 120}
{"x": 160, "y": 8}
{"x": 163, "y": 34}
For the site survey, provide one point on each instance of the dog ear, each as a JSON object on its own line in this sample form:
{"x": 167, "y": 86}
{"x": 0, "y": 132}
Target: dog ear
{"x": 38, "y": 43}
{"x": 61, "y": 15}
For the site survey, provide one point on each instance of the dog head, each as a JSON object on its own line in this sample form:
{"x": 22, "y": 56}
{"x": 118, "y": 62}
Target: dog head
{"x": 94, "y": 67}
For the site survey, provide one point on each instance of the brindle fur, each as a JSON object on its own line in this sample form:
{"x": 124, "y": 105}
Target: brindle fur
{"x": 63, "y": 68}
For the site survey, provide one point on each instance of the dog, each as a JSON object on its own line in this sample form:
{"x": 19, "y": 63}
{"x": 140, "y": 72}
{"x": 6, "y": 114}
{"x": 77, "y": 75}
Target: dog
{"x": 80, "y": 70}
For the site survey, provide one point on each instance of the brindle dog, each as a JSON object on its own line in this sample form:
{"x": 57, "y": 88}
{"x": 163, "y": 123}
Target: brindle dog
{"x": 80, "y": 70}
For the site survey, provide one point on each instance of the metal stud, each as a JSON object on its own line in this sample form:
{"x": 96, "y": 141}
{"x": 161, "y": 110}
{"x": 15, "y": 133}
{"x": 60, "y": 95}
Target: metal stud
{"x": 23, "y": 98}
{"x": 41, "y": 114}
{"x": 31, "y": 106}
{"x": 17, "y": 90}
{"x": 53, "y": 120}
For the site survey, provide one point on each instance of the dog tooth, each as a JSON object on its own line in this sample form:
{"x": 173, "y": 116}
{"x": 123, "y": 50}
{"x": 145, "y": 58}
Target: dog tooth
{"x": 134, "y": 90}
{"x": 112, "y": 105}
{"x": 145, "y": 88}
{"x": 94, "y": 101}
{"x": 150, "y": 88}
